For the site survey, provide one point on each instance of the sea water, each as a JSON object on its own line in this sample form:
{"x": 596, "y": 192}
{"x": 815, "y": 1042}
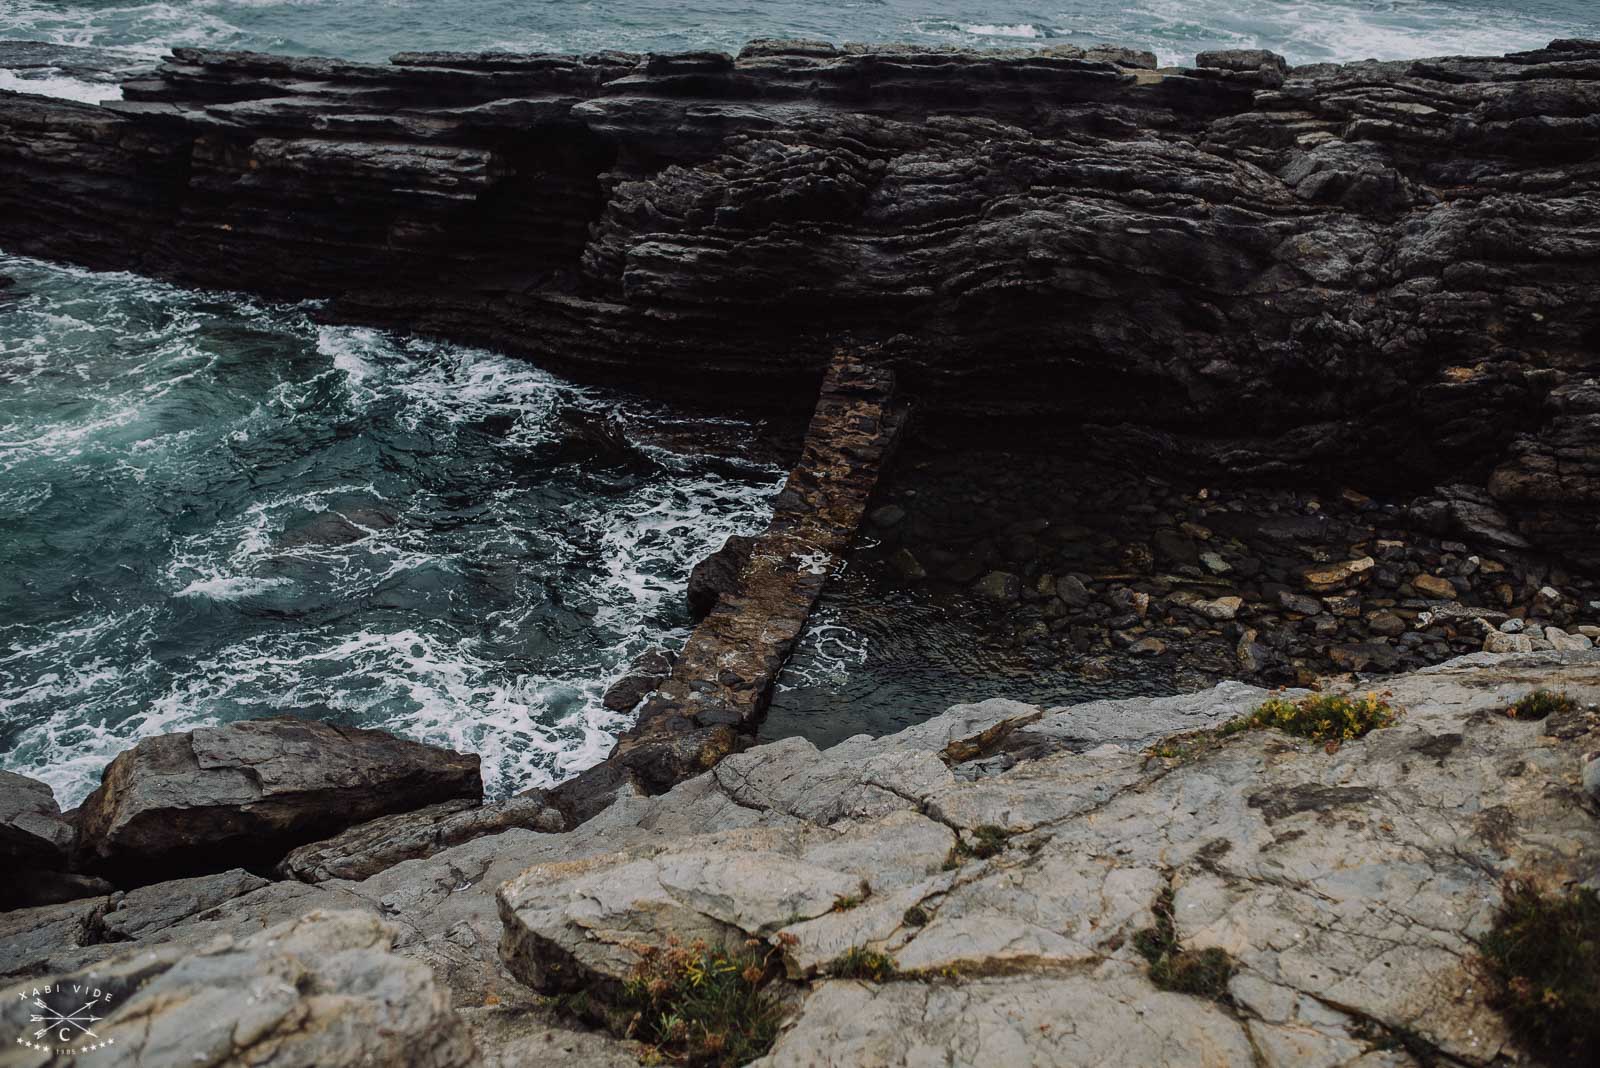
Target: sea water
{"x": 213, "y": 507}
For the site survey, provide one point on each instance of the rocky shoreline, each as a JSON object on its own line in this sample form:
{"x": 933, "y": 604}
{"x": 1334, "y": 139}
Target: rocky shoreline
{"x": 996, "y": 868}
{"x": 1375, "y": 278}
{"x": 1118, "y": 571}
{"x": 1377, "y": 274}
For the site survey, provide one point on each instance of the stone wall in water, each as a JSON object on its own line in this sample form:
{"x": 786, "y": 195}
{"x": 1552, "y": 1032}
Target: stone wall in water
{"x": 1385, "y": 273}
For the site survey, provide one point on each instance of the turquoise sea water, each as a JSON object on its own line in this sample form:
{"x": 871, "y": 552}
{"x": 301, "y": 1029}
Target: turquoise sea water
{"x": 1303, "y": 30}
{"x": 211, "y": 507}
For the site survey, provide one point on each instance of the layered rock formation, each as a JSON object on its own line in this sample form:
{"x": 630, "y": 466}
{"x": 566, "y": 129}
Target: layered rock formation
{"x": 1384, "y": 270}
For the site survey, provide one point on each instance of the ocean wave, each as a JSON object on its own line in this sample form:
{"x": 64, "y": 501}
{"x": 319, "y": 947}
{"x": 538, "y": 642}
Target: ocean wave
{"x": 60, "y": 85}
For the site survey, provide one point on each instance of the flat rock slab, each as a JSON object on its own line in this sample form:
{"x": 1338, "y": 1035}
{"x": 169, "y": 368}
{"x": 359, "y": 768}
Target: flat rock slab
{"x": 1349, "y": 888}
{"x": 245, "y": 793}
{"x": 318, "y": 991}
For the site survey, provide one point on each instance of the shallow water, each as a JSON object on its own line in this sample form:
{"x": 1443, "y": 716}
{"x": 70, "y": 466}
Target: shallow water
{"x": 212, "y": 507}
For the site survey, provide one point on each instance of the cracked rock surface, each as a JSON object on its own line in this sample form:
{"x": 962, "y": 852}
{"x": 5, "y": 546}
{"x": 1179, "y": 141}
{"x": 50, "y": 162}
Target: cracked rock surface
{"x": 1347, "y": 886}
{"x": 321, "y": 989}
{"x": 1003, "y": 857}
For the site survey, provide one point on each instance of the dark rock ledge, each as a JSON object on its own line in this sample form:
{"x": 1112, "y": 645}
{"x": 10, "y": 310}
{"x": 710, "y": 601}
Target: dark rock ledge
{"x": 1383, "y": 274}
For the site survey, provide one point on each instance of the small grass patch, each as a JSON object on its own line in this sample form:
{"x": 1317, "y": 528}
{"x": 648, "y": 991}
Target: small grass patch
{"x": 847, "y": 902}
{"x": 916, "y": 916}
{"x": 1541, "y": 704}
{"x": 1321, "y": 717}
{"x": 980, "y": 843}
{"x": 695, "y": 1005}
{"x": 861, "y": 963}
{"x": 1201, "y": 972}
{"x": 1543, "y": 960}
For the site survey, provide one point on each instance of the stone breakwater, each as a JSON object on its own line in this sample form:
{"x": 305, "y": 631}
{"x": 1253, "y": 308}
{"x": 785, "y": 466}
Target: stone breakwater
{"x": 711, "y": 698}
{"x": 1383, "y": 273}
{"x": 1002, "y": 863}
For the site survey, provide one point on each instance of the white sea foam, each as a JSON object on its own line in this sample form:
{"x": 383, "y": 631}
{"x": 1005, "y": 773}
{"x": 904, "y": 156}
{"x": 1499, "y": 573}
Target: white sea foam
{"x": 60, "y": 85}
{"x": 1024, "y": 30}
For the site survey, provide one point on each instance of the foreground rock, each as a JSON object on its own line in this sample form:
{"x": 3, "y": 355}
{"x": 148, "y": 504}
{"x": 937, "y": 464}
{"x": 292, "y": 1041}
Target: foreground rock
{"x": 1347, "y": 887}
{"x": 1002, "y": 856}
{"x": 317, "y": 991}
{"x": 245, "y": 793}
{"x": 1374, "y": 271}
{"x": 32, "y": 829}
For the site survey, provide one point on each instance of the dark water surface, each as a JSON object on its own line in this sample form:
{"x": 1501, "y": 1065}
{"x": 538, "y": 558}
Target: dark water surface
{"x": 212, "y": 507}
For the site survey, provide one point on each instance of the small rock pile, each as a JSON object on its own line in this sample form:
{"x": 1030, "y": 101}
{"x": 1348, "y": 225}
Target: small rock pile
{"x": 1275, "y": 585}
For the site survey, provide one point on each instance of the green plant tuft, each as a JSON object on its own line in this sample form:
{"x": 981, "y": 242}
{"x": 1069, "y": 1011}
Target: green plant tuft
{"x": 862, "y": 963}
{"x": 988, "y": 841}
{"x": 916, "y": 916}
{"x": 1540, "y": 704}
{"x": 1201, "y": 972}
{"x": 847, "y": 902}
{"x": 694, "y": 1005}
{"x": 1321, "y": 717}
{"x": 1542, "y": 957}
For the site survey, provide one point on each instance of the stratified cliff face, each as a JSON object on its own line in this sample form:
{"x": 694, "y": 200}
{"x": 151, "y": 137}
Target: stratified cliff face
{"x": 1384, "y": 271}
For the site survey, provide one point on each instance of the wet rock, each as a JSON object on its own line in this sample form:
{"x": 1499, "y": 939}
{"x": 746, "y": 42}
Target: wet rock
{"x": 371, "y": 847}
{"x": 1325, "y": 578}
{"x": 1149, "y": 646}
{"x": 907, "y": 566}
{"x": 1072, "y": 591}
{"x": 718, "y": 574}
{"x": 1434, "y": 586}
{"x": 1295, "y": 602}
{"x": 1222, "y": 608}
{"x": 245, "y": 793}
{"x": 648, "y": 670}
{"x": 1001, "y": 587}
{"x": 1387, "y": 624}
{"x": 32, "y": 829}
{"x": 887, "y": 516}
{"x": 323, "y": 989}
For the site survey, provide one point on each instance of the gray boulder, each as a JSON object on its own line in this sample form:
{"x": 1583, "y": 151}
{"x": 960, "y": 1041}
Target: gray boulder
{"x": 32, "y": 829}
{"x": 243, "y": 794}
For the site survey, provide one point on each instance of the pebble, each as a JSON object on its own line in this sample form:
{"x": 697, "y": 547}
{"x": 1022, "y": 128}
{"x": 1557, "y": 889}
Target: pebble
{"x": 889, "y": 515}
{"x": 1001, "y": 587}
{"x": 1323, "y": 579}
{"x": 1215, "y": 563}
{"x": 1148, "y": 647}
{"x": 1512, "y": 626}
{"x": 1497, "y": 642}
{"x": 1223, "y": 608}
{"x": 1072, "y": 591}
{"x": 1434, "y": 586}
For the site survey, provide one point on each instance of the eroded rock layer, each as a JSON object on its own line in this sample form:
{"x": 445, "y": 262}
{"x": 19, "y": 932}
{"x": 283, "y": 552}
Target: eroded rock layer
{"x": 1385, "y": 270}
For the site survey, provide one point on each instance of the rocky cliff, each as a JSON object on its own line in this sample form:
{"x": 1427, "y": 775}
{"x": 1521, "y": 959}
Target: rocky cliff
{"x": 1387, "y": 271}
